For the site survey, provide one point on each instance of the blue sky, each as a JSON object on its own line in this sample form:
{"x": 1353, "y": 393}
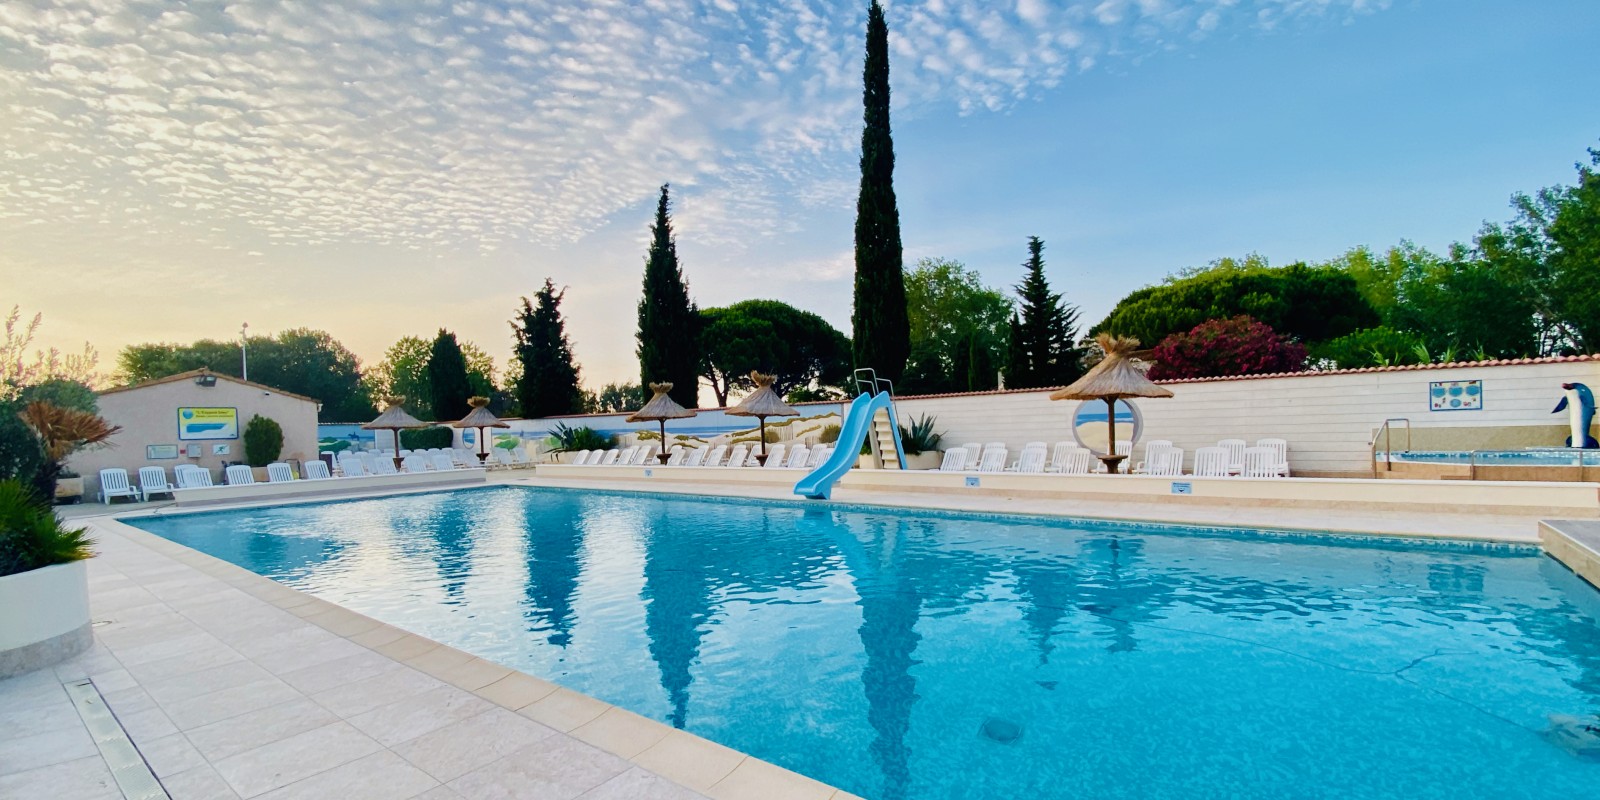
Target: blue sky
{"x": 377, "y": 170}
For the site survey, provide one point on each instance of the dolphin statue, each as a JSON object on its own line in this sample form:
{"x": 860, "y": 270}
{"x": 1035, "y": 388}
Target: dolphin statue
{"x": 1578, "y": 402}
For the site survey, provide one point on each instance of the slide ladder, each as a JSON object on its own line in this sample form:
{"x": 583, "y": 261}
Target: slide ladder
{"x": 869, "y": 419}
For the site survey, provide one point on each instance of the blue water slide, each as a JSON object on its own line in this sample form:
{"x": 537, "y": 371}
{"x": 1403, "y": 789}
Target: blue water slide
{"x": 857, "y": 424}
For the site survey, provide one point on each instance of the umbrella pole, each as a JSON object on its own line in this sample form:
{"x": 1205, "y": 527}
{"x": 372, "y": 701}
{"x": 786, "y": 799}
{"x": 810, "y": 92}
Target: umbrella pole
{"x": 397, "y": 458}
{"x": 663, "y": 456}
{"x": 762, "y": 459}
{"x": 1111, "y": 428}
{"x": 483, "y": 450}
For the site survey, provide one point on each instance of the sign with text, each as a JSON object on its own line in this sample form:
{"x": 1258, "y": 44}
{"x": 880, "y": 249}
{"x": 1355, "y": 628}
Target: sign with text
{"x": 208, "y": 423}
{"x": 156, "y": 452}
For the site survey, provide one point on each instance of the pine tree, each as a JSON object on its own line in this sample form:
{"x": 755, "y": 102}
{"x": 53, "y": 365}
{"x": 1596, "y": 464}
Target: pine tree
{"x": 669, "y": 334}
{"x": 881, "y": 334}
{"x": 448, "y": 385}
{"x": 548, "y": 384}
{"x": 1043, "y": 350}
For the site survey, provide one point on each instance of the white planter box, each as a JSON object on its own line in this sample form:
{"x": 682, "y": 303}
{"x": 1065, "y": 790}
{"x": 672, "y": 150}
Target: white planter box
{"x": 44, "y": 617}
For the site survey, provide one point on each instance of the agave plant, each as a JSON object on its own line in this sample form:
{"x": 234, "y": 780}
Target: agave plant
{"x": 31, "y": 537}
{"x": 62, "y": 432}
{"x": 919, "y": 438}
{"x": 571, "y": 440}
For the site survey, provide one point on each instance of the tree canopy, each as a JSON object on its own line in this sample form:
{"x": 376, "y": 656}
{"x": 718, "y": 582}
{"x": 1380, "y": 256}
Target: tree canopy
{"x": 448, "y": 384}
{"x": 800, "y": 348}
{"x": 547, "y": 383}
{"x": 404, "y": 372}
{"x": 1043, "y": 347}
{"x": 958, "y": 328}
{"x": 668, "y": 339}
{"x": 1237, "y": 346}
{"x": 879, "y": 329}
{"x": 615, "y": 398}
{"x": 303, "y": 361}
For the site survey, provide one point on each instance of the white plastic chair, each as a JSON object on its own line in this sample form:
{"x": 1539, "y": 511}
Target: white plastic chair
{"x": 153, "y": 480}
{"x": 1166, "y": 462}
{"x": 610, "y": 457}
{"x": 114, "y": 483}
{"x": 714, "y": 458}
{"x": 775, "y": 455}
{"x": 1260, "y": 462}
{"x": 799, "y": 455}
{"x": 737, "y": 456}
{"x": 190, "y": 476}
{"x": 239, "y": 475}
{"x": 317, "y": 470}
{"x": 1032, "y": 460}
{"x": 697, "y": 457}
{"x": 1152, "y": 454}
{"x": 955, "y": 460}
{"x": 646, "y": 455}
{"x": 1211, "y": 462}
{"x": 994, "y": 459}
{"x": 974, "y": 452}
{"x": 1235, "y": 448}
{"x": 818, "y": 455}
{"x": 518, "y": 456}
{"x": 414, "y": 464}
{"x": 383, "y": 466}
{"x": 579, "y": 457}
{"x": 1079, "y": 461}
{"x": 279, "y": 473}
{"x": 351, "y": 464}
{"x": 1279, "y": 447}
{"x": 443, "y": 463}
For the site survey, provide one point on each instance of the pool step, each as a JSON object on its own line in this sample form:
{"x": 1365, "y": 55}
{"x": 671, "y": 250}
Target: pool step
{"x": 1423, "y": 471}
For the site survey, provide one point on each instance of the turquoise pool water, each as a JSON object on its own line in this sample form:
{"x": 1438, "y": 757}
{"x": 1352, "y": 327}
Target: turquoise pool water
{"x": 899, "y": 654}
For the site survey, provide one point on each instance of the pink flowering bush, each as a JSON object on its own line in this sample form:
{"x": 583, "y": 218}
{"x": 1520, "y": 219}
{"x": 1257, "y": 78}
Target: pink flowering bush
{"x": 1239, "y": 346}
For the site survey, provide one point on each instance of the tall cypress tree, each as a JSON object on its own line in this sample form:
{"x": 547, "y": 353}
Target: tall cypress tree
{"x": 1043, "y": 349}
{"x": 548, "y": 384}
{"x": 881, "y": 332}
{"x": 448, "y": 384}
{"x": 669, "y": 332}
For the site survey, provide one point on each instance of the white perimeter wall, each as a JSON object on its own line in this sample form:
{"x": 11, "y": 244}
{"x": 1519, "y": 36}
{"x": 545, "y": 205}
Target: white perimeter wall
{"x": 1328, "y": 420}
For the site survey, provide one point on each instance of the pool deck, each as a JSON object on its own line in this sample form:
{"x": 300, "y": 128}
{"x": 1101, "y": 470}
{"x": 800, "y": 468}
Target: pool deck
{"x": 230, "y": 685}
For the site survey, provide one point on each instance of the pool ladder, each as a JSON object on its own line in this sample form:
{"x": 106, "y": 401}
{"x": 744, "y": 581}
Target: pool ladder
{"x": 1385, "y": 432}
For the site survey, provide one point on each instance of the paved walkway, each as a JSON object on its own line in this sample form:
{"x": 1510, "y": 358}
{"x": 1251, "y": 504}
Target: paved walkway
{"x": 233, "y": 686}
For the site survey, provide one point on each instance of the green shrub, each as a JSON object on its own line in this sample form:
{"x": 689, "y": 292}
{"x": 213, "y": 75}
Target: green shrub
{"x": 21, "y": 455}
{"x": 263, "y": 441}
{"x": 427, "y": 438}
{"x": 919, "y": 438}
{"x": 31, "y": 537}
{"x": 571, "y": 440}
{"x": 829, "y": 434}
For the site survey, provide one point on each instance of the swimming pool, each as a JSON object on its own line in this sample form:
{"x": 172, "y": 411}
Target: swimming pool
{"x": 1531, "y": 457}
{"x": 901, "y": 654}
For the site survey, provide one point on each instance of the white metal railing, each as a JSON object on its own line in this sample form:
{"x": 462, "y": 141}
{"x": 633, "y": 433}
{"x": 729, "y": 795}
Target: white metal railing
{"x": 1386, "y": 434}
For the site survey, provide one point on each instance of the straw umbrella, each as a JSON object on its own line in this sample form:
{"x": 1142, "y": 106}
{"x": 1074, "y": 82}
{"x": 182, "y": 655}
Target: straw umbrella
{"x": 763, "y": 403}
{"x": 480, "y": 418}
{"x": 394, "y": 418}
{"x": 660, "y": 409}
{"x": 1114, "y": 378}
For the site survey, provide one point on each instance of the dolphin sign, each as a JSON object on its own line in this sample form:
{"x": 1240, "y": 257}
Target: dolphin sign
{"x": 1579, "y": 405}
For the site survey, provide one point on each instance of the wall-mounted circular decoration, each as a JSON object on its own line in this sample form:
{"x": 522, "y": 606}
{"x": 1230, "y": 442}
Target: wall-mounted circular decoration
{"x": 1089, "y": 424}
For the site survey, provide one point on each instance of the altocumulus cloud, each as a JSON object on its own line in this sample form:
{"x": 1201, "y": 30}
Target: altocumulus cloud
{"x": 466, "y": 123}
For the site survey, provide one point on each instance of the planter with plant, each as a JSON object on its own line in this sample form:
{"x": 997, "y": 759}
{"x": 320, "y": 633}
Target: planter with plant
{"x": 69, "y": 487}
{"x": 44, "y": 585}
{"x": 921, "y": 443}
{"x": 59, "y": 432}
{"x": 568, "y": 439}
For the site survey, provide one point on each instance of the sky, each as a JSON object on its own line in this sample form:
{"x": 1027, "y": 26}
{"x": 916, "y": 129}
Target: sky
{"x": 379, "y": 168}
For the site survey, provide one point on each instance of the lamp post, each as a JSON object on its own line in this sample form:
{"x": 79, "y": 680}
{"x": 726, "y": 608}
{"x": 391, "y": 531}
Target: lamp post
{"x": 244, "y": 351}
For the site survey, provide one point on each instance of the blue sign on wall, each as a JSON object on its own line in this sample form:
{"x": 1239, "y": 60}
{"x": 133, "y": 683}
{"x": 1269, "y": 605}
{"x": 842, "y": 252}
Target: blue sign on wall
{"x": 1455, "y": 396}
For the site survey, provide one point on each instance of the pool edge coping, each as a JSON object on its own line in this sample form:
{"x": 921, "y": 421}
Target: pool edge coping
{"x": 1575, "y": 544}
{"x": 594, "y": 722}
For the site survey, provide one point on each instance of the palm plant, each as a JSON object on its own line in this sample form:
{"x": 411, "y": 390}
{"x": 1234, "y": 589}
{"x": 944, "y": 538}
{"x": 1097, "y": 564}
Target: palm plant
{"x": 919, "y": 438}
{"x": 571, "y": 440}
{"x": 62, "y": 432}
{"x": 31, "y": 537}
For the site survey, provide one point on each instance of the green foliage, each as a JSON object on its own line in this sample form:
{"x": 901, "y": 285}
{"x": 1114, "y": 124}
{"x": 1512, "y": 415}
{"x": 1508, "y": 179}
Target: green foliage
{"x": 1309, "y": 304}
{"x": 829, "y": 434}
{"x": 669, "y": 336}
{"x": 880, "y": 330}
{"x": 404, "y": 372}
{"x": 22, "y": 456}
{"x": 427, "y": 438}
{"x": 958, "y": 329}
{"x": 263, "y": 441}
{"x": 800, "y": 349}
{"x": 570, "y": 440}
{"x": 816, "y": 395}
{"x": 1237, "y": 346}
{"x": 1043, "y": 347}
{"x": 1466, "y": 304}
{"x": 547, "y": 384}
{"x": 448, "y": 384}
{"x": 31, "y": 536}
{"x": 1369, "y": 347}
{"x": 615, "y": 398}
{"x": 919, "y": 437}
{"x": 302, "y": 361}
{"x": 63, "y": 393}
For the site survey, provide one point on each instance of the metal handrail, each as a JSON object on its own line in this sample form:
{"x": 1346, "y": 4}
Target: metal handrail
{"x": 1385, "y": 431}
{"x": 872, "y": 380}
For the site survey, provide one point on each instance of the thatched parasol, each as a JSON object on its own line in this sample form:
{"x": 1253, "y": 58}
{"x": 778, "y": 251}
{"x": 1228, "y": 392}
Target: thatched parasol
{"x": 394, "y": 418}
{"x": 660, "y": 409}
{"x": 1114, "y": 378}
{"x": 763, "y": 403}
{"x": 480, "y": 418}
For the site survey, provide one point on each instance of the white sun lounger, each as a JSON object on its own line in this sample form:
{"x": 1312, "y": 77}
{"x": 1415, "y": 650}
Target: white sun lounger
{"x": 737, "y": 456}
{"x": 798, "y": 456}
{"x": 414, "y": 463}
{"x": 974, "y": 452}
{"x": 190, "y": 476}
{"x": 646, "y": 455}
{"x": 317, "y": 470}
{"x": 955, "y": 460}
{"x": 1279, "y": 447}
{"x": 1032, "y": 460}
{"x": 153, "y": 481}
{"x": 1235, "y": 448}
{"x": 443, "y": 463}
{"x": 775, "y": 455}
{"x": 239, "y": 475}
{"x": 819, "y": 454}
{"x": 696, "y": 458}
{"x": 1080, "y": 461}
{"x": 1211, "y": 462}
{"x": 279, "y": 472}
{"x": 714, "y": 459}
{"x": 114, "y": 483}
{"x": 676, "y": 457}
{"x": 994, "y": 459}
{"x": 1260, "y": 462}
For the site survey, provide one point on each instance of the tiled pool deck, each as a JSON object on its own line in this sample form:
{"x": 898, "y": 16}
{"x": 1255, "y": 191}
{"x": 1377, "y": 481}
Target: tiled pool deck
{"x": 233, "y": 686}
